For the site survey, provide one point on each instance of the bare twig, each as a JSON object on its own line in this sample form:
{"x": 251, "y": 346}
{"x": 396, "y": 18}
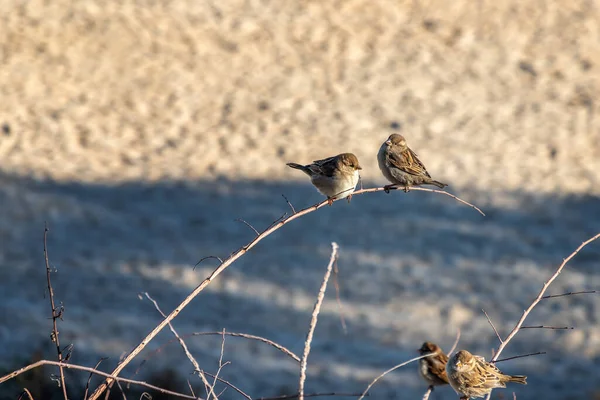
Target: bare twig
{"x": 248, "y": 224}
{"x": 221, "y": 365}
{"x": 388, "y": 371}
{"x": 289, "y": 204}
{"x": 55, "y": 313}
{"x": 226, "y": 263}
{"x": 207, "y": 258}
{"x": 92, "y": 370}
{"x": 295, "y": 396}
{"x": 568, "y": 294}
{"x": 87, "y": 385}
{"x": 455, "y": 343}
{"x": 493, "y": 327}
{"x": 25, "y": 392}
{"x": 547, "y": 327}
{"x": 392, "y": 187}
{"x": 539, "y": 298}
{"x": 197, "y": 369}
{"x": 313, "y": 321}
{"x": 231, "y": 385}
{"x": 428, "y": 392}
{"x": 253, "y": 337}
{"x": 521, "y": 356}
{"x": 191, "y": 388}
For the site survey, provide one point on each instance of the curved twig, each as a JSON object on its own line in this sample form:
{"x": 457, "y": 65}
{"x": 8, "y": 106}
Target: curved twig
{"x": 388, "y": 371}
{"x": 539, "y": 298}
{"x": 226, "y": 263}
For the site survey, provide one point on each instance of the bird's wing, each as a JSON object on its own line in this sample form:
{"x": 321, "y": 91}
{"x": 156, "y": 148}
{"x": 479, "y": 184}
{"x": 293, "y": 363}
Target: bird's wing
{"x": 326, "y": 166}
{"x": 408, "y": 162}
{"x": 437, "y": 366}
{"x": 488, "y": 375}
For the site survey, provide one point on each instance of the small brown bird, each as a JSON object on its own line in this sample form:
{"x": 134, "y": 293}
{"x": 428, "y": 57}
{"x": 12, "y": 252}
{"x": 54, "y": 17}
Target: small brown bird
{"x": 335, "y": 177}
{"x": 433, "y": 368}
{"x": 472, "y": 376}
{"x": 401, "y": 166}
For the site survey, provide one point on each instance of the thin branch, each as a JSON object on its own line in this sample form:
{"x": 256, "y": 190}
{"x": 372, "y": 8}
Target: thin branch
{"x": 547, "y": 327}
{"x": 289, "y": 204}
{"x": 226, "y": 263}
{"x": 253, "y": 337}
{"x": 87, "y": 385}
{"x": 521, "y": 356}
{"x": 313, "y": 321}
{"x": 493, "y": 327}
{"x": 185, "y": 349}
{"x": 191, "y": 388}
{"x": 25, "y": 392}
{"x": 92, "y": 370}
{"x": 231, "y": 385}
{"x": 206, "y": 258}
{"x": 388, "y": 371}
{"x": 455, "y": 343}
{"x": 539, "y": 298}
{"x": 392, "y": 187}
{"x": 568, "y": 294}
{"x": 248, "y": 224}
{"x": 428, "y": 392}
{"x": 221, "y": 365}
{"x": 55, "y": 314}
{"x": 295, "y": 396}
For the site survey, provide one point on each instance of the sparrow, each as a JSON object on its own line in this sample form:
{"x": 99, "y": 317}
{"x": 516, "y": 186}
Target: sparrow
{"x": 335, "y": 177}
{"x": 433, "y": 368}
{"x": 472, "y": 376}
{"x": 401, "y": 166}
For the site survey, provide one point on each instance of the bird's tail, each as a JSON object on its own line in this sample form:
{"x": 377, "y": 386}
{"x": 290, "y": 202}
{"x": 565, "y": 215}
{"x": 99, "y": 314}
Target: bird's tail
{"x": 438, "y": 184}
{"x": 300, "y": 167}
{"x": 522, "y": 379}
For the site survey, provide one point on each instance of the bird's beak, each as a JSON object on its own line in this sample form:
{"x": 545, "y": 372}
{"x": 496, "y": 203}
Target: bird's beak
{"x": 359, "y": 167}
{"x": 388, "y": 142}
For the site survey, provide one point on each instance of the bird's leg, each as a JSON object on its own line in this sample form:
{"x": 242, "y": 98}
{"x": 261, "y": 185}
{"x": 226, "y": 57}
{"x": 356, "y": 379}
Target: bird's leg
{"x": 406, "y": 189}
{"x": 349, "y": 197}
{"x": 329, "y": 201}
{"x": 387, "y": 188}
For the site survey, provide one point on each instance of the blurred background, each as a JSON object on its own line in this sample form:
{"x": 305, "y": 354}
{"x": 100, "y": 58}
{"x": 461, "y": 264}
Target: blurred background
{"x": 140, "y": 130}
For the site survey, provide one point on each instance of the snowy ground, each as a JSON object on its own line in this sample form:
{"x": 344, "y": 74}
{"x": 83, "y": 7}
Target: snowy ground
{"x": 141, "y": 132}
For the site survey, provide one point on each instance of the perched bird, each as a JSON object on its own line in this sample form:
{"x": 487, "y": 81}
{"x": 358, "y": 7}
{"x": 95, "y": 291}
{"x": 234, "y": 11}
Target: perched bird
{"x": 433, "y": 368}
{"x": 401, "y": 166}
{"x": 472, "y": 376}
{"x": 335, "y": 177}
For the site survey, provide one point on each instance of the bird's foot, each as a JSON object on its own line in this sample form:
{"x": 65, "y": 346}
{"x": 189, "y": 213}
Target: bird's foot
{"x": 387, "y": 188}
{"x": 349, "y": 198}
{"x": 329, "y": 201}
{"x": 406, "y": 189}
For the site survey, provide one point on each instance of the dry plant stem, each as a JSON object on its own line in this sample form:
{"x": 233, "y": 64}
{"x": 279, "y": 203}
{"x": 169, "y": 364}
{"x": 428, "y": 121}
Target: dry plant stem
{"x": 521, "y": 356}
{"x": 493, "y": 327}
{"x": 26, "y": 392}
{"x": 455, "y": 343}
{"x": 295, "y": 396}
{"x": 428, "y": 392}
{"x": 393, "y": 187}
{"x": 185, "y": 349}
{"x": 336, "y": 285}
{"x": 231, "y": 385}
{"x": 94, "y": 371}
{"x": 313, "y": 320}
{"x": 568, "y": 294}
{"x": 226, "y": 263}
{"x": 388, "y": 371}
{"x": 253, "y": 337}
{"x": 539, "y": 298}
{"x": 87, "y": 385}
{"x": 55, "y": 314}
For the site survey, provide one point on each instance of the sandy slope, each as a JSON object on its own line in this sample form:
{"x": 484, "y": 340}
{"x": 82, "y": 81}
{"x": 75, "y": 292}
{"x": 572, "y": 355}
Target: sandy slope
{"x": 111, "y": 104}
